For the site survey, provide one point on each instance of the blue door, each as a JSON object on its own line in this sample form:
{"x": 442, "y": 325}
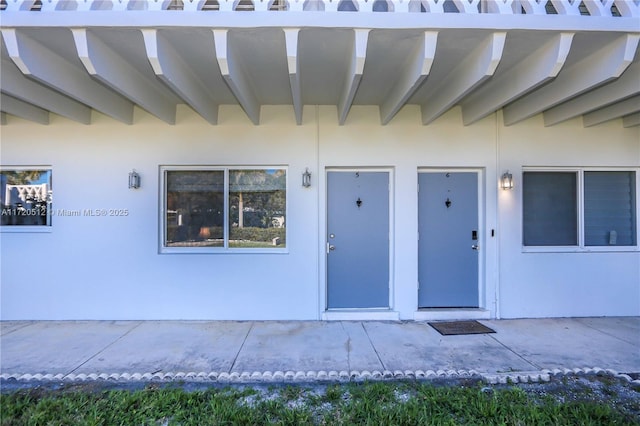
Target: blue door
{"x": 448, "y": 240}
{"x": 357, "y": 239}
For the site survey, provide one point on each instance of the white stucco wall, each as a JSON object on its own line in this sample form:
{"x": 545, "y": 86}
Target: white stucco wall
{"x": 110, "y": 268}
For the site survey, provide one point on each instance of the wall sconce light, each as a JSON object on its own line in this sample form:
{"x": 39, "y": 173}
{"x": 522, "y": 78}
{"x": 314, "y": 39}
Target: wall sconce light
{"x": 306, "y": 178}
{"x": 506, "y": 181}
{"x": 134, "y": 179}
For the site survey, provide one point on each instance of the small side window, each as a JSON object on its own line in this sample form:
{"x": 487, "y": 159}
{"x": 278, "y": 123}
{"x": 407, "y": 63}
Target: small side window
{"x": 25, "y": 195}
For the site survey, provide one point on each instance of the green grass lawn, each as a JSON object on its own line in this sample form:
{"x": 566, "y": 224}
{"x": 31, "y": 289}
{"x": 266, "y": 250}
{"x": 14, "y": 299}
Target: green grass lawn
{"x": 377, "y": 403}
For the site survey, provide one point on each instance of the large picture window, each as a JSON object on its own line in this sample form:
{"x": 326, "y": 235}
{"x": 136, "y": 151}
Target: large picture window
{"x": 219, "y": 209}
{"x": 25, "y": 195}
{"x": 579, "y": 208}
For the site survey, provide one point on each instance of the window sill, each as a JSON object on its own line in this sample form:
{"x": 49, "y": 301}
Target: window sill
{"x": 595, "y": 249}
{"x": 25, "y": 229}
{"x": 221, "y": 250}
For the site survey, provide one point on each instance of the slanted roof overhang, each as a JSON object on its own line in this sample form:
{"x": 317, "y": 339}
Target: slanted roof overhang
{"x": 70, "y": 62}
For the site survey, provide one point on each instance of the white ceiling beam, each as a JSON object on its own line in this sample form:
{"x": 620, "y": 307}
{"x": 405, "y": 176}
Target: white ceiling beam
{"x": 467, "y": 75}
{"x": 411, "y": 75}
{"x": 618, "y": 110}
{"x": 354, "y": 74}
{"x": 538, "y": 68}
{"x": 14, "y": 83}
{"x": 108, "y": 67}
{"x": 599, "y": 67}
{"x": 626, "y": 85}
{"x": 37, "y": 61}
{"x": 169, "y": 66}
{"x": 19, "y": 108}
{"x": 632, "y": 120}
{"x": 234, "y": 76}
{"x": 293, "y": 64}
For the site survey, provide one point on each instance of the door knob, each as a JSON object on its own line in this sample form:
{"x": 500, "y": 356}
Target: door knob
{"x": 475, "y": 247}
{"x": 332, "y": 247}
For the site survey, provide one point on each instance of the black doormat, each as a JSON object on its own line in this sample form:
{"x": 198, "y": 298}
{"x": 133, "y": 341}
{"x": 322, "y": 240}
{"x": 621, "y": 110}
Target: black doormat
{"x": 452, "y": 328}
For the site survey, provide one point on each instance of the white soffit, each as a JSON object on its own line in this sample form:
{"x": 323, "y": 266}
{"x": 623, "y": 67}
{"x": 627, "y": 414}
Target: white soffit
{"x": 74, "y": 57}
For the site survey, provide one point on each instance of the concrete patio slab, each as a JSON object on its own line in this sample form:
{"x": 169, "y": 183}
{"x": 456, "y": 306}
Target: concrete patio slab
{"x": 362, "y": 354}
{"x": 59, "y": 346}
{"x": 624, "y": 328}
{"x": 226, "y": 347}
{"x": 7, "y": 327}
{"x": 418, "y": 346}
{"x": 558, "y": 343}
{"x": 172, "y": 346}
{"x": 294, "y": 345}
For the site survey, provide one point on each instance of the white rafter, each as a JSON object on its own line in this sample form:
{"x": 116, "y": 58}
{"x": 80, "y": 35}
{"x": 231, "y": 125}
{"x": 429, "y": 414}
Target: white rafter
{"x": 13, "y": 106}
{"x": 354, "y": 74}
{"x": 108, "y": 67}
{"x": 611, "y": 112}
{"x": 291, "y": 43}
{"x": 468, "y": 74}
{"x": 411, "y": 76}
{"x": 627, "y": 85}
{"x": 14, "y": 83}
{"x": 538, "y": 68}
{"x": 601, "y": 66}
{"x": 175, "y": 73}
{"x": 631, "y": 120}
{"x": 37, "y": 61}
{"x": 234, "y": 77}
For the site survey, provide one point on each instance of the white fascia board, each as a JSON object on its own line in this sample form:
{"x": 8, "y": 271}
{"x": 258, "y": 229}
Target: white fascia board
{"x": 628, "y": 84}
{"x": 235, "y": 77}
{"x": 354, "y": 74}
{"x": 14, "y": 83}
{"x": 177, "y": 75}
{"x": 40, "y": 63}
{"x": 603, "y": 65}
{"x": 292, "y": 19}
{"x": 618, "y": 110}
{"x": 13, "y": 106}
{"x": 411, "y": 75}
{"x": 536, "y": 69}
{"x": 468, "y": 74}
{"x": 108, "y": 67}
{"x": 291, "y": 43}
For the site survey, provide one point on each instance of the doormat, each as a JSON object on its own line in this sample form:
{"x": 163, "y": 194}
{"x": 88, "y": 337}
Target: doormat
{"x": 453, "y": 328}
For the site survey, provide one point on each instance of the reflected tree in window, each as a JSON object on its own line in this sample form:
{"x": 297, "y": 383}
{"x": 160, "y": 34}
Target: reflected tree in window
{"x": 257, "y": 208}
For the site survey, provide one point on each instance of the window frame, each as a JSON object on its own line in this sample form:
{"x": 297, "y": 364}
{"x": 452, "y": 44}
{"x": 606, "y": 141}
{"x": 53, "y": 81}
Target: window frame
{"x": 581, "y": 247}
{"x": 46, "y": 228}
{"x": 226, "y": 169}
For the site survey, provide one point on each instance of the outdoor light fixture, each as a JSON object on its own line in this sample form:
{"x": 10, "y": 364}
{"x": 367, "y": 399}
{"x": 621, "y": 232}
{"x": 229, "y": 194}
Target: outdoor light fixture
{"x": 134, "y": 179}
{"x": 506, "y": 181}
{"x": 306, "y": 178}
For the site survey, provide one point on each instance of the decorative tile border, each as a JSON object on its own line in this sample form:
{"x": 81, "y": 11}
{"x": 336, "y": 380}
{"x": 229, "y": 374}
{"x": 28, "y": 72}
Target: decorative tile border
{"x": 321, "y": 376}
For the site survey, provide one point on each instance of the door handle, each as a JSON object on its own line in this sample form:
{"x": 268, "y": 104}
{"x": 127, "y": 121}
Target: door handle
{"x": 332, "y": 247}
{"x": 475, "y": 247}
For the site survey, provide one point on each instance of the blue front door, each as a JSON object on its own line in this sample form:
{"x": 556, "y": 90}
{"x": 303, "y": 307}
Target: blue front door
{"x": 357, "y": 239}
{"x": 448, "y": 239}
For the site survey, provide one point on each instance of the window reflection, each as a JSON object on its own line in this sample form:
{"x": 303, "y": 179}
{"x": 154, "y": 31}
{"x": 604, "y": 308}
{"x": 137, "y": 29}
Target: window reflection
{"x": 257, "y": 205}
{"x": 25, "y": 196}
{"x": 247, "y": 210}
{"x": 195, "y": 206}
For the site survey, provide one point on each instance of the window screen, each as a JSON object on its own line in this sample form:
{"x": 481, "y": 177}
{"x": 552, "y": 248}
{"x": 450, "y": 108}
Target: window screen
{"x": 609, "y": 208}
{"x": 550, "y": 212}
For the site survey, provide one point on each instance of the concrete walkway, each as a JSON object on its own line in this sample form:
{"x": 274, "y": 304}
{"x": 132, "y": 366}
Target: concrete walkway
{"x": 312, "y": 350}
